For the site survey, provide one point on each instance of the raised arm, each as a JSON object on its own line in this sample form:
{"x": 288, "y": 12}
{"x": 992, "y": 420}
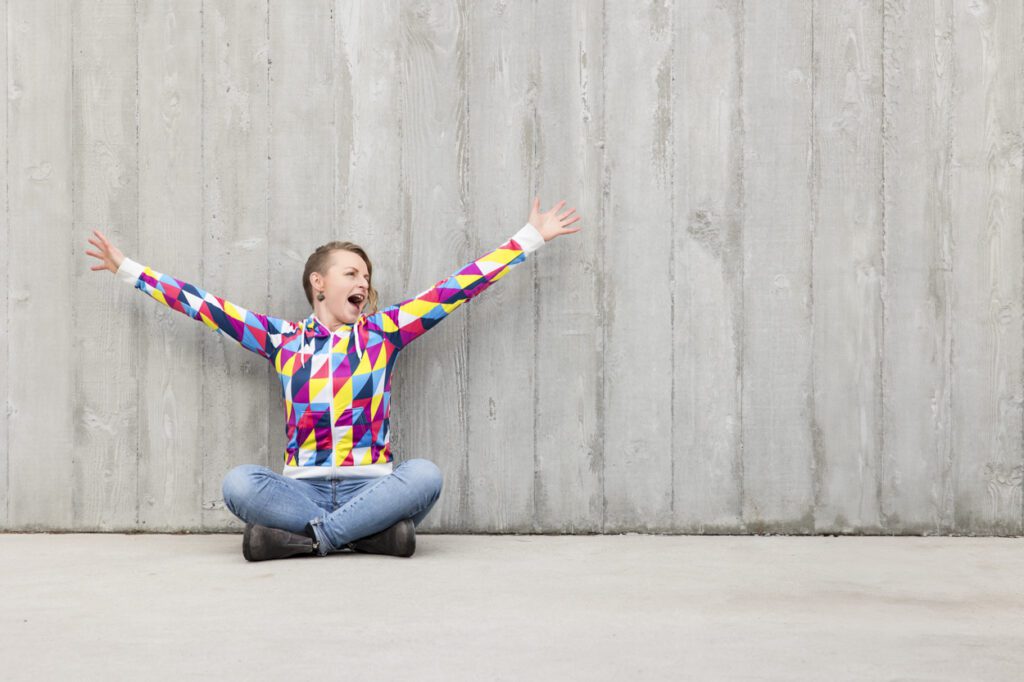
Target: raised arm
{"x": 411, "y": 318}
{"x": 258, "y": 333}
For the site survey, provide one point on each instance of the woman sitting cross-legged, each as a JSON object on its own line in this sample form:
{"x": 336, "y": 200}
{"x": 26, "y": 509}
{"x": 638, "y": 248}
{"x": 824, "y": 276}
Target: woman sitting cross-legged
{"x": 339, "y": 488}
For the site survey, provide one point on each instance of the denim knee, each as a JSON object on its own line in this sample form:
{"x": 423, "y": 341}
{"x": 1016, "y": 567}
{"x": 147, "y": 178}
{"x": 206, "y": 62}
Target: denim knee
{"x": 238, "y": 484}
{"x": 427, "y": 474}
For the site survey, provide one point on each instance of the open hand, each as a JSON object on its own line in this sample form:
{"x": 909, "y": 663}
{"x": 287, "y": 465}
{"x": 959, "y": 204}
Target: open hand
{"x": 109, "y": 254}
{"x": 549, "y": 223}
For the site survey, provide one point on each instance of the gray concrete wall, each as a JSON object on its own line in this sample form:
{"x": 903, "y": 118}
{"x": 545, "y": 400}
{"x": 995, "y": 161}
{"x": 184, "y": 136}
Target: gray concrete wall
{"x": 795, "y": 305}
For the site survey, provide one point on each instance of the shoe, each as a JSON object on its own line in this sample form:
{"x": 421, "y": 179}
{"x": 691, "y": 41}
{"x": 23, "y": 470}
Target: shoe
{"x": 260, "y": 543}
{"x": 398, "y": 540}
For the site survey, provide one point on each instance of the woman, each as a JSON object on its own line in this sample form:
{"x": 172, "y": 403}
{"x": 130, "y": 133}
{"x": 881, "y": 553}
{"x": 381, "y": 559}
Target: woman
{"x": 338, "y": 489}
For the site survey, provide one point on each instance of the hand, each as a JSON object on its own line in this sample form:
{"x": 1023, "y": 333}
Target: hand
{"x": 549, "y": 224}
{"x": 108, "y": 253}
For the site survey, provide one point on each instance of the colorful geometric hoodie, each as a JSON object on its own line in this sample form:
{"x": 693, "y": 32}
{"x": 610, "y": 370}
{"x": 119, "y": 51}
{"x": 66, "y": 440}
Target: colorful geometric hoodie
{"x": 336, "y": 386}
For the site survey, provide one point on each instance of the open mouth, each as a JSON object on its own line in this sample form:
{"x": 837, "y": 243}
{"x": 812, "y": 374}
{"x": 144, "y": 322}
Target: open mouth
{"x": 356, "y": 299}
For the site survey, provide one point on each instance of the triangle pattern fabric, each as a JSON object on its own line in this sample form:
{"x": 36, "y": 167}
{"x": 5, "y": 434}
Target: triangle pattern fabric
{"x": 336, "y": 387}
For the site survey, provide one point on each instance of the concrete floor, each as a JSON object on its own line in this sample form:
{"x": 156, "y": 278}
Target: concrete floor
{"x": 631, "y": 607}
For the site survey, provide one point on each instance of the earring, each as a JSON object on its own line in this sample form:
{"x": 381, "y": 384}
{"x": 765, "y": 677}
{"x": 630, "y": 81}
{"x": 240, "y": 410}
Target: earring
{"x": 320, "y": 296}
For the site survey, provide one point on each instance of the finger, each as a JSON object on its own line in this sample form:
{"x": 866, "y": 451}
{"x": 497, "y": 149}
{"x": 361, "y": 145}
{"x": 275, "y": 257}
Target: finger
{"x": 572, "y": 221}
{"x": 98, "y": 267}
{"x": 557, "y": 206}
{"x": 566, "y": 214}
{"x": 573, "y": 230}
{"x": 96, "y": 243}
{"x": 94, "y": 254}
{"x": 536, "y": 203}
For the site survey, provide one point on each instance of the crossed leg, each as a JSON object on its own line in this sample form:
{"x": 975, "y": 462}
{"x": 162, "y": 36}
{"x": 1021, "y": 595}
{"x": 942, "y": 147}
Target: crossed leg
{"x": 258, "y": 495}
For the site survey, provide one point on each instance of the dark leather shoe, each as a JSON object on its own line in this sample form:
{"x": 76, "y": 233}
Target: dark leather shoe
{"x": 398, "y": 540}
{"x": 260, "y": 543}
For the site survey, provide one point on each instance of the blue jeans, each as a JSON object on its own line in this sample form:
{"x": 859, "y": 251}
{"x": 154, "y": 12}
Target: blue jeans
{"x": 340, "y": 510}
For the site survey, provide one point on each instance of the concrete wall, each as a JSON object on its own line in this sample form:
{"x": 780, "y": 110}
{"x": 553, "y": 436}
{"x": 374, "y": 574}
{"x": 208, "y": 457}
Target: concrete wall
{"x": 795, "y": 305}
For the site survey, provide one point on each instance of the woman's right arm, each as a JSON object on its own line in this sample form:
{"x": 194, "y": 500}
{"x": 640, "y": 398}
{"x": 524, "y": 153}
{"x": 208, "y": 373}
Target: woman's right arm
{"x": 256, "y": 332}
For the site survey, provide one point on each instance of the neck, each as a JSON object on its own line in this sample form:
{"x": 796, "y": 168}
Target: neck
{"x": 327, "y": 319}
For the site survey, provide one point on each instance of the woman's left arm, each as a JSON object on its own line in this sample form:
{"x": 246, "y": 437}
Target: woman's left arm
{"x": 412, "y": 318}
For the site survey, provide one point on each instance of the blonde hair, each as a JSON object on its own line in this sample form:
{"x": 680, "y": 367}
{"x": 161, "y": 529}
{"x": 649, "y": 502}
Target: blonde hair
{"x": 320, "y": 260}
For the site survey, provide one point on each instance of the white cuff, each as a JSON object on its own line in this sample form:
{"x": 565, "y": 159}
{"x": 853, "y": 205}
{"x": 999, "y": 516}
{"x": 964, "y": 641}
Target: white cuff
{"x": 529, "y": 238}
{"x": 129, "y": 271}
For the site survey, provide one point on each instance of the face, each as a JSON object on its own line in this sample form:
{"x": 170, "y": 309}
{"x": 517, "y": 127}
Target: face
{"x": 346, "y": 285}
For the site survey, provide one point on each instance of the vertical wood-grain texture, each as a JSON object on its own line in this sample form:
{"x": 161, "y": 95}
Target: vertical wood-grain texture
{"x": 778, "y": 402}
{"x": 171, "y": 440}
{"x": 104, "y": 158}
{"x": 41, "y": 392}
{"x": 795, "y": 304}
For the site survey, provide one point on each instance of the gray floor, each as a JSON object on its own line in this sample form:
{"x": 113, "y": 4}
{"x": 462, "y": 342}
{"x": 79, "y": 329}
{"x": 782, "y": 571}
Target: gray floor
{"x": 626, "y": 607}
